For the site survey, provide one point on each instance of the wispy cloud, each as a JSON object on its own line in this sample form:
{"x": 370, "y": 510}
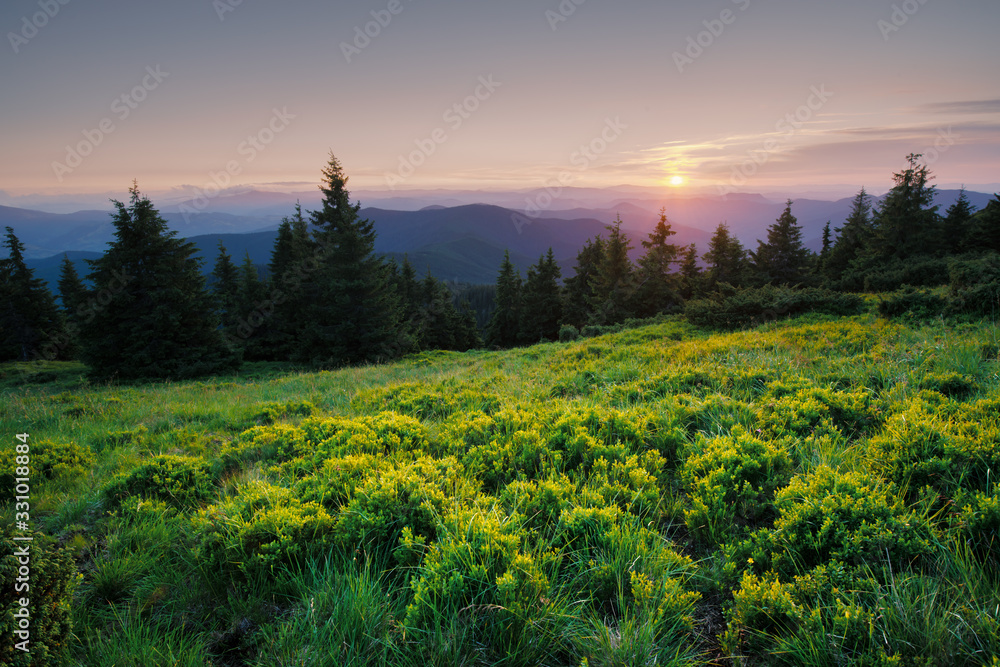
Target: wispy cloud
{"x": 964, "y": 107}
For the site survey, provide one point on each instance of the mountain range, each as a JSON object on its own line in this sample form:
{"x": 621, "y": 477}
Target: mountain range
{"x": 464, "y": 242}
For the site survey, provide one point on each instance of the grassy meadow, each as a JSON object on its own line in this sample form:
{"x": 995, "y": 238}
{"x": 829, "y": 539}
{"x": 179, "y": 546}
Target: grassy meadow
{"x": 816, "y": 491}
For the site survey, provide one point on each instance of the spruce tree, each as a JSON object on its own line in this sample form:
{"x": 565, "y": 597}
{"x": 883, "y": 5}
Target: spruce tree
{"x": 656, "y": 284}
{"x": 542, "y": 301}
{"x": 906, "y": 223}
{"x": 615, "y": 280}
{"x": 691, "y": 274}
{"x": 984, "y": 228}
{"x": 579, "y": 293}
{"x": 158, "y": 321}
{"x": 783, "y": 259}
{"x": 956, "y": 224}
{"x": 726, "y": 259}
{"x": 74, "y": 297}
{"x": 292, "y": 270}
{"x": 31, "y": 326}
{"x": 72, "y": 292}
{"x": 225, "y": 287}
{"x": 852, "y": 239}
{"x": 354, "y": 316}
{"x": 255, "y": 311}
{"x": 505, "y": 326}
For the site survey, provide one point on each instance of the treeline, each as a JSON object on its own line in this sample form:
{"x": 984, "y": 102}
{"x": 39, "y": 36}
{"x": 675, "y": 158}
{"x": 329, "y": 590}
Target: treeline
{"x": 327, "y": 299}
{"x": 902, "y": 244}
{"x": 147, "y": 312}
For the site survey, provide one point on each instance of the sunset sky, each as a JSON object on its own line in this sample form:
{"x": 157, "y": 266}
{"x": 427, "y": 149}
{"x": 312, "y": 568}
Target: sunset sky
{"x": 748, "y": 95}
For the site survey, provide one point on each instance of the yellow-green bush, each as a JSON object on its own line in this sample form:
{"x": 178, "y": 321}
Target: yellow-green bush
{"x": 829, "y": 516}
{"x": 732, "y": 482}
{"x": 47, "y": 459}
{"x": 181, "y": 481}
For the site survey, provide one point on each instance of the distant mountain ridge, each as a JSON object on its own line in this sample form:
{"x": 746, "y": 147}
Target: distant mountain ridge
{"x": 464, "y": 243}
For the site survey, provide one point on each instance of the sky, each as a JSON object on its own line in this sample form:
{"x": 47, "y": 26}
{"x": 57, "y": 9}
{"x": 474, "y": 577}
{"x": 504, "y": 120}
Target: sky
{"x": 719, "y": 96}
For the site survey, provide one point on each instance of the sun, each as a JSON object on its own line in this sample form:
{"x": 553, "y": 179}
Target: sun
{"x": 676, "y": 181}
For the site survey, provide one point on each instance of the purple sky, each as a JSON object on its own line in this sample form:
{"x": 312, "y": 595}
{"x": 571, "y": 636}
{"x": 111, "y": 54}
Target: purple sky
{"x": 728, "y": 95}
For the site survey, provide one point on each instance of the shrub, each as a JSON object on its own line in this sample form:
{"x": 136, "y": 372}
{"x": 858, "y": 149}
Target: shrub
{"x": 568, "y": 333}
{"x": 272, "y": 412}
{"x": 52, "y": 578}
{"x": 414, "y": 497}
{"x": 751, "y": 307}
{"x": 977, "y": 523}
{"x": 181, "y": 481}
{"x": 418, "y": 400}
{"x": 48, "y": 460}
{"x": 261, "y": 532}
{"x": 843, "y": 517}
{"x": 913, "y": 303}
{"x": 732, "y": 482}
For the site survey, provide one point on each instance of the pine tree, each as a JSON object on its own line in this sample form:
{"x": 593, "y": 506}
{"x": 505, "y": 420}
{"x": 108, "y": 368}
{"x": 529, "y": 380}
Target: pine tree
{"x": 292, "y": 270}
{"x": 255, "y": 311}
{"x": 74, "y": 297}
{"x": 505, "y": 326}
{"x": 691, "y": 274}
{"x": 31, "y": 326}
{"x": 907, "y": 224}
{"x": 615, "y": 280}
{"x": 72, "y": 292}
{"x": 824, "y": 253}
{"x": 956, "y": 224}
{"x": 579, "y": 293}
{"x": 984, "y": 228}
{"x": 467, "y": 332}
{"x": 159, "y": 321}
{"x": 542, "y": 301}
{"x": 225, "y": 287}
{"x": 783, "y": 259}
{"x": 851, "y": 241}
{"x": 656, "y": 285}
{"x": 355, "y": 316}
{"x": 726, "y": 259}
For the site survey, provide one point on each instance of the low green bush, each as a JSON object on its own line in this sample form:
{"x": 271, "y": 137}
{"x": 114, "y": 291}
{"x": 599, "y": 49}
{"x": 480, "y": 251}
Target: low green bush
{"x": 181, "y": 481}
{"x": 753, "y": 306}
{"x": 46, "y": 460}
{"x": 46, "y": 578}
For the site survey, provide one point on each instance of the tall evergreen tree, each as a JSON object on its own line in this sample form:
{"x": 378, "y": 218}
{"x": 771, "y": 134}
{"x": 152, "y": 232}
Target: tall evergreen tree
{"x": 225, "y": 287}
{"x": 295, "y": 260}
{"x": 255, "y": 311}
{"x": 74, "y": 296}
{"x": 355, "y": 315}
{"x": 159, "y": 321}
{"x": 956, "y": 224}
{"x": 542, "y": 301}
{"x": 72, "y": 292}
{"x": 31, "y": 326}
{"x": 505, "y": 325}
{"x": 984, "y": 228}
{"x": 726, "y": 259}
{"x": 615, "y": 280}
{"x": 907, "y": 223}
{"x": 783, "y": 259}
{"x": 852, "y": 239}
{"x": 657, "y": 285}
{"x": 691, "y": 274}
{"x": 579, "y": 293}
{"x": 824, "y": 253}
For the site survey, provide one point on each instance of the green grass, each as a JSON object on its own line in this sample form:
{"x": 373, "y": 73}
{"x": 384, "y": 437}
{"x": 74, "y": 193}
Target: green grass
{"x": 812, "y": 492}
